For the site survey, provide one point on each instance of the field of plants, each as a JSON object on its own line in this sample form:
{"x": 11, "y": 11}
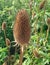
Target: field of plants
{"x": 24, "y": 32}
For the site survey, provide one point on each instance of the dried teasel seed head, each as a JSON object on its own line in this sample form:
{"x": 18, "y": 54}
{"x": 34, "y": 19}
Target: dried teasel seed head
{"x": 48, "y": 21}
{"x": 5, "y": 63}
{"x": 36, "y": 54}
{"x": 3, "y": 25}
{"x": 21, "y": 30}
{"x": 42, "y": 4}
{"x": 7, "y": 42}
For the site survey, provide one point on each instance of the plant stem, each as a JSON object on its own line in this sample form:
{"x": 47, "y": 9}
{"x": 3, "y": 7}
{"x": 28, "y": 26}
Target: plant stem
{"x": 21, "y": 55}
{"x": 5, "y": 35}
{"x": 47, "y": 33}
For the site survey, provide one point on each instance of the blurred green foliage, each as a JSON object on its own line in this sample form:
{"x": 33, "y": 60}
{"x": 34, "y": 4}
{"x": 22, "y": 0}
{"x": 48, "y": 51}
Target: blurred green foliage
{"x": 8, "y": 11}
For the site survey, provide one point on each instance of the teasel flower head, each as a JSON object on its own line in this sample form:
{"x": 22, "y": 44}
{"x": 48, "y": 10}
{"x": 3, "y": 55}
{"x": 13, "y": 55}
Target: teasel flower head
{"x": 8, "y": 42}
{"x": 42, "y": 4}
{"x": 21, "y": 30}
{"x": 48, "y": 21}
{"x": 36, "y": 54}
{"x": 3, "y": 25}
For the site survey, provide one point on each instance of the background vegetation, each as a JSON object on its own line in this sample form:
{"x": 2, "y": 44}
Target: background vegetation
{"x": 38, "y": 51}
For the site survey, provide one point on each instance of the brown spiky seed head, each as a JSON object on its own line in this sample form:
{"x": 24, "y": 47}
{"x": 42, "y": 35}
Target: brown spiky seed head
{"x": 21, "y": 28}
{"x": 42, "y": 4}
{"x": 7, "y": 42}
{"x": 3, "y": 25}
{"x": 48, "y": 21}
